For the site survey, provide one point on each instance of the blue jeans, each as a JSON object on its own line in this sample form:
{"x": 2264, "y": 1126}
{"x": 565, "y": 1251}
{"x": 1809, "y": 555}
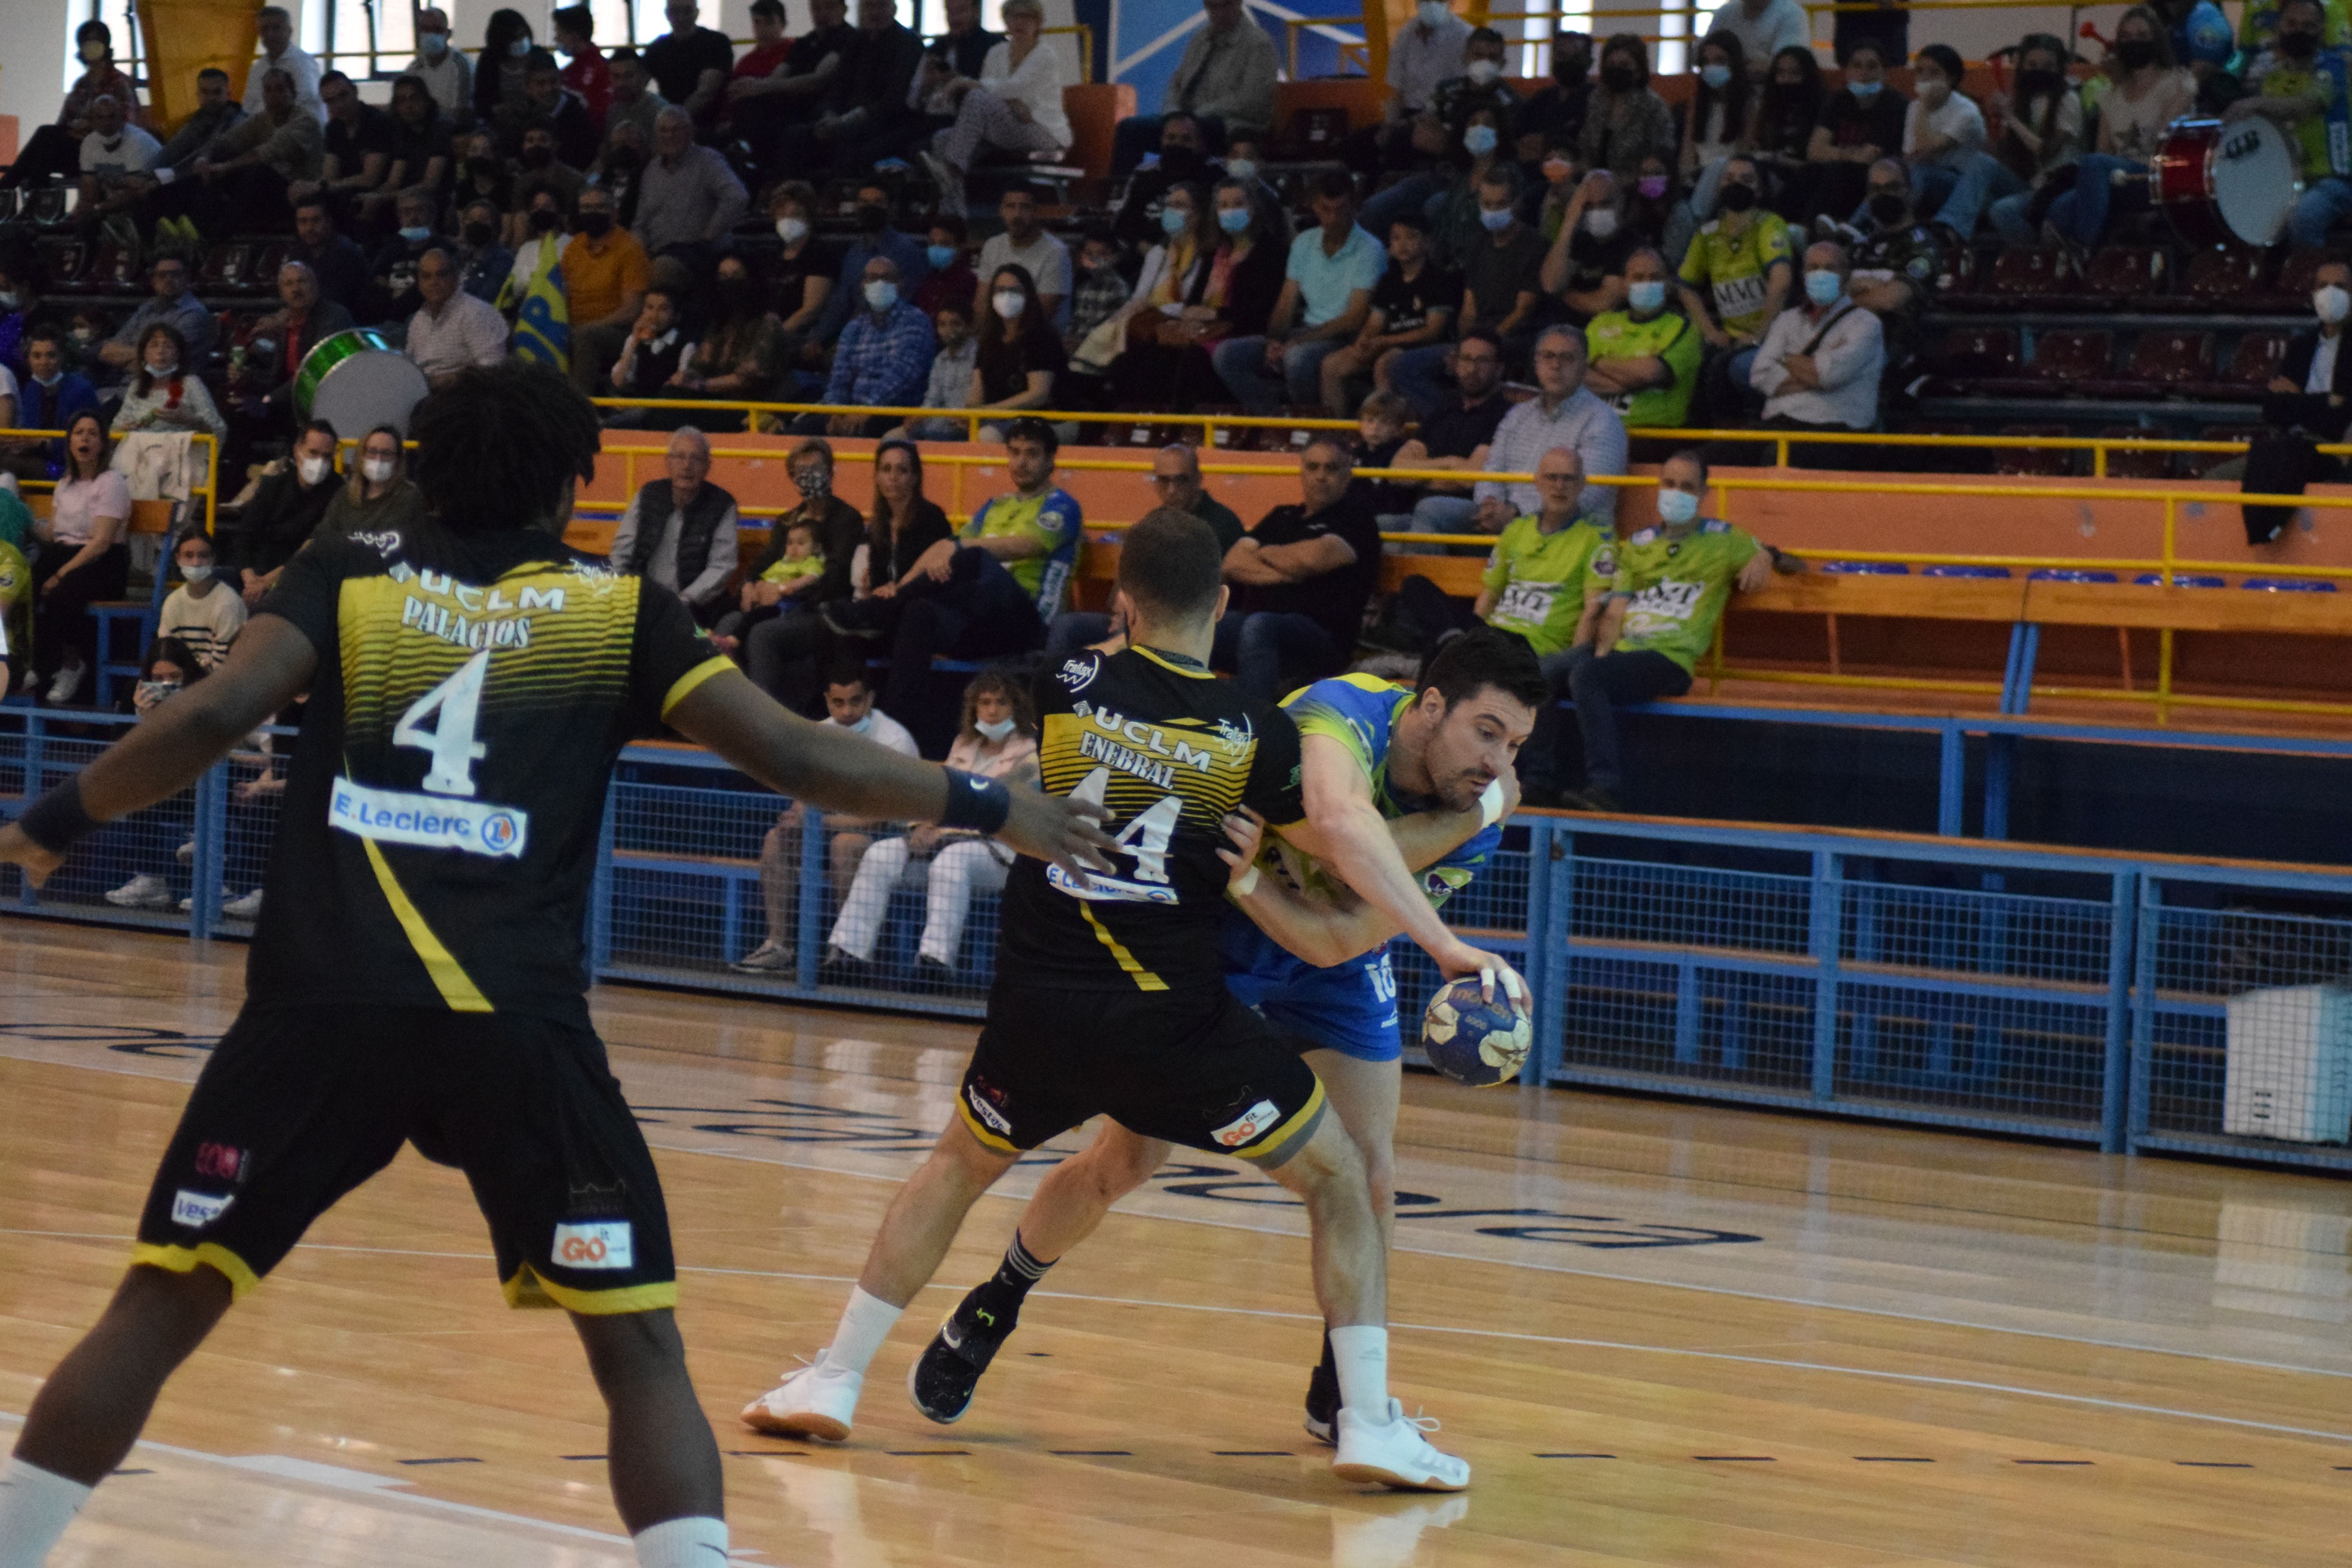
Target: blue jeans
{"x": 1414, "y": 374}
{"x": 1598, "y": 682}
{"x": 2008, "y": 220}
{"x": 1241, "y": 366}
{"x": 1445, "y": 514}
{"x": 2323, "y": 205}
{"x": 2081, "y": 214}
{"x": 1258, "y": 647}
{"x": 1411, "y": 195}
{"x": 1982, "y": 179}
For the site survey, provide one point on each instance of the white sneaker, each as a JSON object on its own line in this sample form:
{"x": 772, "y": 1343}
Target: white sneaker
{"x": 188, "y": 905}
{"x": 142, "y": 893}
{"x": 247, "y": 908}
{"x": 1394, "y": 1453}
{"x": 68, "y": 682}
{"x": 186, "y": 853}
{"x": 765, "y": 959}
{"x": 816, "y": 1401}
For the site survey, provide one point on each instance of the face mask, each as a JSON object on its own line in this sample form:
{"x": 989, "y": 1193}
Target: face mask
{"x": 201, "y": 573}
{"x": 1483, "y": 72}
{"x": 538, "y": 157}
{"x": 314, "y": 470}
{"x": 2136, "y": 53}
{"x": 2332, "y": 302}
{"x": 1932, "y": 92}
{"x": 416, "y": 234}
{"x": 870, "y": 218}
{"x": 792, "y": 230}
{"x": 865, "y": 723}
{"x": 1864, "y": 92}
{"x": 1497, "y": 220}
{"x": 1646, "y": 296}
{"x": 10, "y": 299}
{"x": 1735, "y": 196}
{"x": 94, "y": 53}
{"x": 1173, "y": 222}
{"x": 1823, "y": 288}
{"x": 994, "y": 729}
{"x": 435, "y": 45}
{"x": 1651, "y": 186}
{"x": 2036, "y": 83}
{"x": 2298, "y": 46}
{"x": 814, "y": 485}
{"x": 596, "y": 226}
{"x": 1676, "y": 506}
{"x": 543, "y": 221}
{"x": 1887, "y": 207}
{"x": 1432, "y": 13}
{"x": 1574, "y": 69}
{"x": 1009, "y": 304}
{"x": 376, "y": 470}
{"x": 165, "y": 371}
{"x": 1242, "y": 168}
{"x": 477, "y": 235}
{"x": 1602, "y": 222}
{"x": 1480, "y": 139}
{"x": 880, "y": 295}
{"x": 151, "y": 692}
{"x": 1717, "y": 76}
{"x": 48, "y": 380}
{"x": 942, "y": 257}
{"x": 519, "y": 47}
{"x": 1233, "y": 220}
{"x": 1617, "y": 78}
{"x": 81, "y": 334}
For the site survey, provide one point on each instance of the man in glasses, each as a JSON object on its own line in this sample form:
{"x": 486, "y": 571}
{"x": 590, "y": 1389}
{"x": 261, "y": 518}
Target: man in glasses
{"x": 1175, "y": 482}
{"x": 169, "y": 304}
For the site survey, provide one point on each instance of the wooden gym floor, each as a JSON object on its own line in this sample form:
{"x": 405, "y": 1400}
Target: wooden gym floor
{"x": 1663, "y": 1334}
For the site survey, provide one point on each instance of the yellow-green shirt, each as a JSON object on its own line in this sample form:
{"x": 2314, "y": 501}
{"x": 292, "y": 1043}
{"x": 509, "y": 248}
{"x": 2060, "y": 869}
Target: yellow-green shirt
{"x": 789, "y": 571}
{"x": 1542, "y": 580}
{"x": 1737, "y": 268}
{"x": 1052, "y": 519}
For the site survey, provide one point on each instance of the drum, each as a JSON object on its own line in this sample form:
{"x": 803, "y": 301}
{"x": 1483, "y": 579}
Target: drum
{"x": 356, "y": 381}
{"x": 2226, "y": 185}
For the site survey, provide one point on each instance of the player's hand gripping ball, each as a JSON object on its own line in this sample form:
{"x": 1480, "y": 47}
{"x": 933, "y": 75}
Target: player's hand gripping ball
{"x": 1472, "y": 1040}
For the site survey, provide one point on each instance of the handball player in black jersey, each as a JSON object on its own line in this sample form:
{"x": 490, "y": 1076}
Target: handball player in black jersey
{"x": 1110, "y": 999}
{"x": 419, "y": 973}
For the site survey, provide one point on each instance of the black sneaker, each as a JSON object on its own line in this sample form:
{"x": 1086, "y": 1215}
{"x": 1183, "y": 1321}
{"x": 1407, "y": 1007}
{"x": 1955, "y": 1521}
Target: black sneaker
{"x": 854, "y": 618}
{"x": 1323, "y": 1405}
{"x": 841, "y": 968}
{"x": 943, "y": 1377}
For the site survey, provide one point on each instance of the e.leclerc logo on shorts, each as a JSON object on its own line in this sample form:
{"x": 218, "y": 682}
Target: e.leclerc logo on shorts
{"x": 596, "y": 1244}
{"x": 428, "y": 821}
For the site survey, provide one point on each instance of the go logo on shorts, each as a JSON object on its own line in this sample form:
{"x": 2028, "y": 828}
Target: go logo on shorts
{"x": 599, "y": 1243}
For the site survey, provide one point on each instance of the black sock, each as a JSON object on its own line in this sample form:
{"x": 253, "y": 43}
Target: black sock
{"x": 1330, "y": 1362}
{"x": 1002, "y": 1295}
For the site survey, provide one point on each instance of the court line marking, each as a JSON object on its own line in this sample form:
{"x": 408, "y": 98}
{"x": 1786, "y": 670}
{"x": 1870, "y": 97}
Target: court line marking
{"x": 1923, "y": 1379}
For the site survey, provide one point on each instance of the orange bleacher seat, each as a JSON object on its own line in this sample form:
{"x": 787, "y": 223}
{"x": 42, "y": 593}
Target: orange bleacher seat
{"x": 2120, "y": 272}
{"x": 2045, "y": 461}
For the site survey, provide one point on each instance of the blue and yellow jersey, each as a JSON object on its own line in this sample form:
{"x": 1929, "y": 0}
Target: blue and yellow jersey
{"x": 1052, "y": 519}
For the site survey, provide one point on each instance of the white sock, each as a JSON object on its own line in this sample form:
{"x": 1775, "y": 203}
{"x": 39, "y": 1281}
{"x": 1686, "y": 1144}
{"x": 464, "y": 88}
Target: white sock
{"x": 1361, "y": 1354}
{"x": 34, "y": 1509}
{"x": 865, "y": 1323}
{"x": 698, "y": 1542}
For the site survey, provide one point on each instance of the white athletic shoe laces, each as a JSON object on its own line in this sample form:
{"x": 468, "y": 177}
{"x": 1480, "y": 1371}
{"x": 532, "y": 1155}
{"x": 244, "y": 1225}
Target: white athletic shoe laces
{"x": 1392, "y": 1452}
{"x": 815, "y": 1400}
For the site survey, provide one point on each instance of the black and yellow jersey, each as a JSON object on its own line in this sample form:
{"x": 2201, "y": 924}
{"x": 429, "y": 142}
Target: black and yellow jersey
{"x": 1171, "y": 751}
{"x": 438, "y": 832}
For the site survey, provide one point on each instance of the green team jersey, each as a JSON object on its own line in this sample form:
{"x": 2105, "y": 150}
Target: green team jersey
{"x": 1678, "y": 587}
{"x": 1737, "y": 268}
{"x": 1051, "y": 520}
{"x": 1668, "y": 336}
{"x": 788, "y": 571}
{"x": 1541, "y": 580}
{"x": 2272, "y": 75}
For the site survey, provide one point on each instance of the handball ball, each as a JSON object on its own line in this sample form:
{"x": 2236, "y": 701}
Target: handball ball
{"x": 1472, "y": 1040}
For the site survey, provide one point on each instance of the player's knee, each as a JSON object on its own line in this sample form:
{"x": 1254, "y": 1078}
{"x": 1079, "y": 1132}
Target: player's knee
{"x": 1327, "y": 1167}
{"x": 170, "y": 1309}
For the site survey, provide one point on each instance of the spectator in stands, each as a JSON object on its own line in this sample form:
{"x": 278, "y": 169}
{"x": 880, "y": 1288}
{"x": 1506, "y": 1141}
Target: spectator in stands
{"x": 882, "y": 360}
{"x": 378, "y": 494}
{"x": 1626, "y": 122}
{"x": 286, "y": 507}
{"x": 1435, "y": 161}
{"x": 1233, "y": 296}
{"x": 1787, "y": 109}
{"x": 2202, "y": 40}
{"x": 1103, "y": 292}
{"x": 679, "y": 531}
{"x": 1024, "y": 243}
{"x": 1301, "y": 579}
{"x": 967, "y": 40}
{"x": 1180, "y": 162}
{"x": 790, "y": 569}
{"x": 1861, "y": 122}
{"x": 358, "y": 147}
{"x": 2150, "y": 92}
{"x": 215, "y": 113}
{"x": 1719, "y": 118}
{"x": 241, "y": 182}
{"x": 792, "y": 580}
{"x": 769, "y": 53}
{"x": 47, "y": 398}
{"x": 634, "y": 101}
{"x": 1565, "y": 412}
{"x": 1818, "y": 365}
{"x": 83, "y": 559}
{"x": 740, "y": 351}
{"x": 760, "y": 107}
{"x": 168, "y": 668}
{"x": 1645, "y": 357}
{"x": 169, "y": 301}
{"x": 395, "y": 267}
{"x": 650, "y": 358}
{"x": 1898, "y": 264}
{"x": 1554, "y": 116}
{"x": 952, "y": 370}
{"x": 114, "y": 160}
{"x": 1019, "y": 354}
{"x": 547, "y": 105}
{"x": 483, "y": 263}
{"x": 801, "y": 273}
{"x": 948, "y": 256}
{"x": 1428, "y": 50}
{"x": 1327, "y": 291}
{"x": 850, "y": 705}
{"x": 864, "y": 118}
{"x": 445, "y": 72}
{"x": 1014, "y": 108}
{"x": 203, "y": 614}
{"x": 606, "y": 276}
{"x": 1952, "y": 175}
{"x": 452, "y": 330}
{"x": 997, "y": 738}
{"x": 2298, "y": 85}
{"x": 1459, "y": 435}
{"x": 588, "y": 75}
{"x": 281, "y": 340}
{"x": 870, "y": 215}
{"x": 338, "y": 264}
{"x": 504, "y": 75}
{"x": 688, "y": 198}
{"x": 423, "y": 149}
{"x": 1741, "y": 261}
{"x": 483, "y": 177}
{"x": 56, "y": 149}
{"x": 166, "y": 395}
{"x": 1764, "y": 27}
{"x": 2315, "y": 365}
{"x": 274, "y": 28}
{"x": 1455, "y": 214}
{"x": 1502, "y": 287}
{"x": 1673, "y": 582}
{"x": 2041, "y": 133}
{"x": 538, "y": 169}
{"x": 20, "y": 301}
{"x": 1412, "y": 312}
{"x": 1585, "y": 265}
{"x": 1225, "y": 79}
{"x": 691, "y": 62}
{"x": 1380, "y": 421}
{"x": 1176, "y": 485}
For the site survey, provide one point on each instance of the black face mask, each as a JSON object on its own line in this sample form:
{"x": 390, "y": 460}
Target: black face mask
{"x": 1888, "y": 208}
{"x": 478, "y": 234}
{"x": 1735, "y": 196}
{"x": 1617, "y": 78}
{"x": 2136, "y": 53}
{"x": 596, "y": 226}
{"x": 870, "y": 218}
{"x": 1180, "y": 161}
{"x": 543, "y": 221}
{"x": 1571, "y": 70}
{"x": 2298, "y": 46}
{"x": 627, "y": 160}
{"x": 733, "y": 296}
{"x": 2037, "y": 84}
{"x": 482, "y": 169}
{"x": 538, "y": 157}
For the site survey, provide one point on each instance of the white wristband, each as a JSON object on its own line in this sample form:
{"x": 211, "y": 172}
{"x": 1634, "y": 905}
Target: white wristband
{"x": 1246, "y": 883}
{"x": 1490, "y": 804}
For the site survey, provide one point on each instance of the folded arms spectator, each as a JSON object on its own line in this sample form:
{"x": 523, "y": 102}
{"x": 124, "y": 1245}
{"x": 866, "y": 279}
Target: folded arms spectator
{"x": 1820, "y": 364}
{"x": 1301, "y": 580}
{"x": 1645, "y": 357}
{"x": 452, "y": 330}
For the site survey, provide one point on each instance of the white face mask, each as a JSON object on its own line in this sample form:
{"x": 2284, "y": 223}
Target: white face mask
{"x": 1601, "y": 223}
{"x": 164, "y": 370}
{"x": 2332, "y": 302}
{"x": 1242, "y": 168}
{"x": 865, "y": 721}
{"x": 994, "y": 729}
{"x": 1483, "y": 72}
{"x": 377, "y": 469}
{"x": 1010, "y": 304}
{"x": 200, "y": 573}
{"x": 1432, "y": 13}
{"x": 314, "y": 470}
{"x": 791, "y": 230}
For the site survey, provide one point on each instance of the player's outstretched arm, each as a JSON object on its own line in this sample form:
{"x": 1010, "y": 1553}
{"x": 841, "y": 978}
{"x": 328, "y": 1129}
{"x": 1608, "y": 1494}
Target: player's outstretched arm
{"x": 1309, "y": 927}
{"x": 269, "y": 665}
{"x": 840, "y": 771}
{"x": 1425, "y": 837}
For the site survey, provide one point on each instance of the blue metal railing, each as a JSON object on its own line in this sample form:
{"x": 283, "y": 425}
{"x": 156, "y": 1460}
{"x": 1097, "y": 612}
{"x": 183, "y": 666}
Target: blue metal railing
{"x": 2081, "y": 996}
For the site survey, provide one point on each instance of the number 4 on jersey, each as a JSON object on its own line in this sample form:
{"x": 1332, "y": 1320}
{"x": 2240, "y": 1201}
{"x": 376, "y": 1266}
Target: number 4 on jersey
{"x": 450, "y": 742}
{"x": 1145, "y": 837}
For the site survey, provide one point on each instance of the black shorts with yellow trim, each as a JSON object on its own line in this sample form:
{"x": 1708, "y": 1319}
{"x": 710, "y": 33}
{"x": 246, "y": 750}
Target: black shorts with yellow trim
{"x": 1190, "y": 1065}
{"x": 301, "y": 1105}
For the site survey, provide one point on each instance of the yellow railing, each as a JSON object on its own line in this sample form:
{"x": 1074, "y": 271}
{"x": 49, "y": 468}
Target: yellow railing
{"x": 209, "y": 490}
